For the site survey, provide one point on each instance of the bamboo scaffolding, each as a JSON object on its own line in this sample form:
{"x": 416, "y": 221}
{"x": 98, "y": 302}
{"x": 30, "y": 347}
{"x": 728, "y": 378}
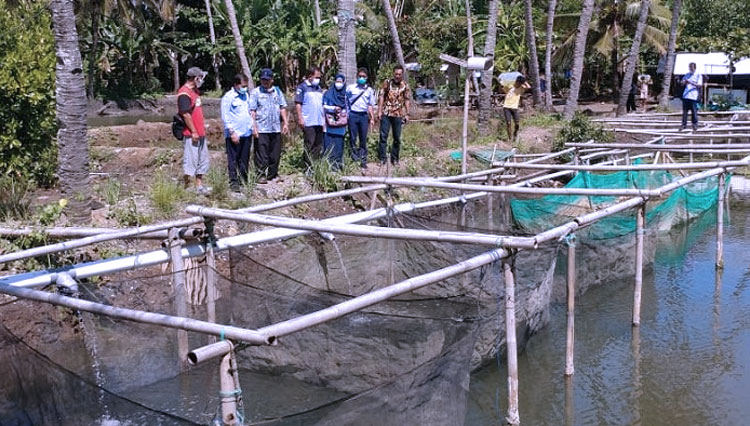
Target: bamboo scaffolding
{"x": 717, "y": 148}
{"x": 570, "y": 315}
{"x": 75, "y": 232}
{"x": 178, "y": 288}
{"x": 720, "y": 223}
{"x": 639, "y": 235}
{"x": 511, "y": 349}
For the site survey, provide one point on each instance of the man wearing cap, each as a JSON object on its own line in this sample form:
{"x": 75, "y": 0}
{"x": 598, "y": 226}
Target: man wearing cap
{"x": 195, "y": 160}
{"x": 268, "y": 108}
{"x": 238, "y": 130}
{"x": 309, "y": 103}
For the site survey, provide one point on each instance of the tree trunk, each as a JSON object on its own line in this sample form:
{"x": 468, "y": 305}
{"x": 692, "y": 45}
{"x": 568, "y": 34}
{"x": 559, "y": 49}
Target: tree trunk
{"x": 316, "y": 6}
{"x": 571, "y": 105}
{"x": 533, "y": 58}
{"x": 213, "y": 43}
{"x": 70, "y": 96}
{"x": 485, "y": 92}
{"x": 394, "y": 34}
{"x": 347, "y": 40}
{"x": 94, "y": 48}
{"x": 548, "y": 53}
{"x": 669, "y": 65}
{"x": 238, "y": 42}
{"x": 174, "y": 59}
{"x": 635, "y": 49}
{"x": 615, "y": 58}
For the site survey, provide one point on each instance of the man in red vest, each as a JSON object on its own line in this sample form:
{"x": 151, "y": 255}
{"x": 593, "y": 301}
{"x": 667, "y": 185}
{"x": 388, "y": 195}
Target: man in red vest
{"x": 195, "y": 153}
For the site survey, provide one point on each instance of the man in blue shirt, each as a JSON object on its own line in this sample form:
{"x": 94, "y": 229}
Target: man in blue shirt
{"x": 238, "y": 130}
{"x": 693, "y": 83}
{"x": 309, "y": 102}
{"x": 361, "y": 100}
{"x": 268, "y": 108}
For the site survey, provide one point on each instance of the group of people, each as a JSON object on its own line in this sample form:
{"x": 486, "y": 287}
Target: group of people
{"x": 255, "y": 120}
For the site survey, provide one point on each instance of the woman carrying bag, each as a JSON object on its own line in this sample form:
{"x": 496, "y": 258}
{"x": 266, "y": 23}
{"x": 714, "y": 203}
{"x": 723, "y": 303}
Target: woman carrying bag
{"x": 336, "y": 109}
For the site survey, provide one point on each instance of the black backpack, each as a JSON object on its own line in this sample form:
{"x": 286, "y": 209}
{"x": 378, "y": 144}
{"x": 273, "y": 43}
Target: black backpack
{"x": 178, "y": 126}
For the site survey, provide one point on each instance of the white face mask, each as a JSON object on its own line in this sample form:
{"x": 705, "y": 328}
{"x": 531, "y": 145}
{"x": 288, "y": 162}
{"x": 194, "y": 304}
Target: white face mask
{"x": 315, "y": 81}
{"x": 198, "y": 82}
{"x": 339, "y": 86}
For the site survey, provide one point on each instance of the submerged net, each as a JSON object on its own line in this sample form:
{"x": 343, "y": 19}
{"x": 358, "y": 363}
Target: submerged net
{"x": 682, "y": 205}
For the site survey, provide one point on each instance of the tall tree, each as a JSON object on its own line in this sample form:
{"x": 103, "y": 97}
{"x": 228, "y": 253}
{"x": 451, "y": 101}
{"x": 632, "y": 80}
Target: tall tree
{"x": 212, "y": 34}
{"x": 548, "y": 53}
{"x": 347, "y": 40}
{"x": 316, "y": 6}
{"x": 533, "y": 58}
{"x": 580, "y": 50}
{"x": 485, "y": 92}
{"x": 635, "y": 50}
{"x": 394, "y": 34}
{"x": 238, "y": 42}
{"x": 669, "y": 63}
{"x": 70, "y": 95}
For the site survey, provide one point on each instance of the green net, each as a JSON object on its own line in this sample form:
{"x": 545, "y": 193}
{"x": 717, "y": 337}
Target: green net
{"x": 683, "y": 204}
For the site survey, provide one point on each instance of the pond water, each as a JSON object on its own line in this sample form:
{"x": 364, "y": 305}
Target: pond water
{"x": 689, "y": 363}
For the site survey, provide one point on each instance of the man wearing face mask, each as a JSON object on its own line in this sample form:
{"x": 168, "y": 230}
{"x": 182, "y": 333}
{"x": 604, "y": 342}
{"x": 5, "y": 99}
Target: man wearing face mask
{"x": 309, "y": 103}
{"x": 195, "y": 160}
{"x": 394, "y": 102}
{"x": 361, "y": 99}
{"x": 268, "y": 109}
{"x": 238, "y": 130}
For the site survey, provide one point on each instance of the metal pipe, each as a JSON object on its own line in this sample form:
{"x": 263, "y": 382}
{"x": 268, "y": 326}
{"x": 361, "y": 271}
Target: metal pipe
{"x": 511, "y": 344}
{"x": 230, "y": 332}
{"x": 205, "y": 353}
{"x": 639, "y": 235}
{"x": 365, "y": 230}
{"x": 571, "y": 299}
{"x": 275, "y": 331}
{"x": 720, "y": 223}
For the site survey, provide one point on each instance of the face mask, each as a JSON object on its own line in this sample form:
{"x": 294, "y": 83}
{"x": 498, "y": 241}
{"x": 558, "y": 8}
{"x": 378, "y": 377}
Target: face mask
{"x": 315, "y": 81}
{"x": 198, "y": 82}
{"x": 243, "y": 90}
{"x": 362, "y": 80}
{"x": 339, "y": 86}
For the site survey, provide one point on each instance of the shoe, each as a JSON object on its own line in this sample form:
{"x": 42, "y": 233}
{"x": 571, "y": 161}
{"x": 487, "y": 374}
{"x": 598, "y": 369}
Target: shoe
{"x": 695, "y": 127}
{"x": 203, "y": 190}
{"x": 262, "y": 180}
{"x": 394, "y": 163}
{"x": 682, "y": 128}
{"x": 363, "y": 166}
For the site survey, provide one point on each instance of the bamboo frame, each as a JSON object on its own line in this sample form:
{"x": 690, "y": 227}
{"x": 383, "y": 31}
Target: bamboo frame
{"x": 511, "y": 350}
{"x": 570, "y": 313}
{"x": 639, "y": 235}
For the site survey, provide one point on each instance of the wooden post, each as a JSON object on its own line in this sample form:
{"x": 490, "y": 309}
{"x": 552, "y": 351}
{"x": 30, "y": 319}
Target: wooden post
{"x": 639, "y": 234}
{"x": 230, "y": 391}
{"x": 720, "y": 223}
{"x": 210, "y": 275}
{"x": 571, "y": 290}
{"x": 510, "y": 342}
{"x": 178, "y": 286}
{"x": 569, "y": 402}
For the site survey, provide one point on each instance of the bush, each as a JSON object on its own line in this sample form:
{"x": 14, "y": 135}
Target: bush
{"x": 27, "y": 92}
{"x": 166, "y": 194}
{"x": 14, "y": 198}
{"x": 581, "y": 129}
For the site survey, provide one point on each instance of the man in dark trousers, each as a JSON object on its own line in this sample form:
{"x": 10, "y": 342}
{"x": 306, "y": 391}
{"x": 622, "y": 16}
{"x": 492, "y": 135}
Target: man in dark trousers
{"x": 308, "y": 99}
{"x": 394, "y": 102}
{"x": 238, "y": 130}
{"x": 268, "y": 108}
{"x": 195, "y": 159}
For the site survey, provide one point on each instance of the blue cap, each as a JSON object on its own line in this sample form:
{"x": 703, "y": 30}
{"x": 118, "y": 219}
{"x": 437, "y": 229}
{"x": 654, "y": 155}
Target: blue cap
{"x": 266, "y": 74}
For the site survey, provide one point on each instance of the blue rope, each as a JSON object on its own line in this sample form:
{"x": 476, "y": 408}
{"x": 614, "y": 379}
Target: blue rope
{"x": 570, "y": 240}
{"x": 221, "y": 335}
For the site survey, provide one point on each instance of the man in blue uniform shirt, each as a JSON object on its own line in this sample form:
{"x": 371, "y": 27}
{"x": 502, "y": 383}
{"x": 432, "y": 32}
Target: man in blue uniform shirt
{"x": 238, "y": 130}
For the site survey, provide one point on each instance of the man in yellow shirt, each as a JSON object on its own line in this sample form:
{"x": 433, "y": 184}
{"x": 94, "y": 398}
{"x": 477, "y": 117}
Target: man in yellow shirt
{"x": 513, "y": 94}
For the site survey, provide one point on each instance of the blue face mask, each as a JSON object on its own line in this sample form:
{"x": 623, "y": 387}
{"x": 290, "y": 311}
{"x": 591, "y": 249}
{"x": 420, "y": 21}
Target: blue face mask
{"x": 362, "y": 80}
{"x": 242, "y": 90}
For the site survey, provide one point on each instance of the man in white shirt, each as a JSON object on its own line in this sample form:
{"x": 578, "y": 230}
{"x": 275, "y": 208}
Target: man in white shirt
{"x": 693, "y": 83}
{"x": 238, "y": 130}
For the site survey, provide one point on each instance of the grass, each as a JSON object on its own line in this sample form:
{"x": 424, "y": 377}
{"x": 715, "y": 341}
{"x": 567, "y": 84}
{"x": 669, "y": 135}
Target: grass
{"x": 218, "y": 181}
{"x": 128, "y": 215}
{"x": 542, "y": 119}
{"x": 15, "y": 202}
{"x": 110, "y": 191}
{"x": 165, "y": 194}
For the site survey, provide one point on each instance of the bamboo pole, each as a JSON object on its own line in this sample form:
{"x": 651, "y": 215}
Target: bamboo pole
{"x": 210, "y": 275}
{"x": 178, "y": 286}
{"x": 720, "y": 223}
{"x": 639, "y": 234}
{"x": 634, "y": 167}
{"x": 571, "y": 299}
{"x": 75, "y": 232}
{"x": 180, "y": 323}
{"x": 230, "y": 390}
{"x": 511, "y": 344}
{"x": 465, "y": 129}
{"x": 668, "y": 147}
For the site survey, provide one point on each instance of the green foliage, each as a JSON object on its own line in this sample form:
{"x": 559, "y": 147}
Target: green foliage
{"x": 541, "y": 119}
{"x": 218, "y": 180}
{"x": 14, "y": 198}
{"x": 581, "y": 129}
{"x": 292, "y": 160}
{"x": 27, "y": 92}
{"x": 165, "y": 194}
{"x": 322, "y": 177}
{"x": 128, "y": 215}
{"x": 49, "y": 214}
{"x": 110, "y": 191}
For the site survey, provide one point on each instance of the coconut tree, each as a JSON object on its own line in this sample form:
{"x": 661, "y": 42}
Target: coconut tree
{"x": 548, "y": 53}
{"x": 669, "y": 65}
{"x": 70, "y": 96}
{"x": 635, "y": 49}
{"x": 533, "y": 58}
{"x": 316, "y": 7}
{"x": 347, "y": 39}
{"x": 394, "y": 33}
{"x": 238, "y": 41}
{"x": 580, "y": 50}
{"x": 212, "y": 35}
{"x": 485, "y": 93}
